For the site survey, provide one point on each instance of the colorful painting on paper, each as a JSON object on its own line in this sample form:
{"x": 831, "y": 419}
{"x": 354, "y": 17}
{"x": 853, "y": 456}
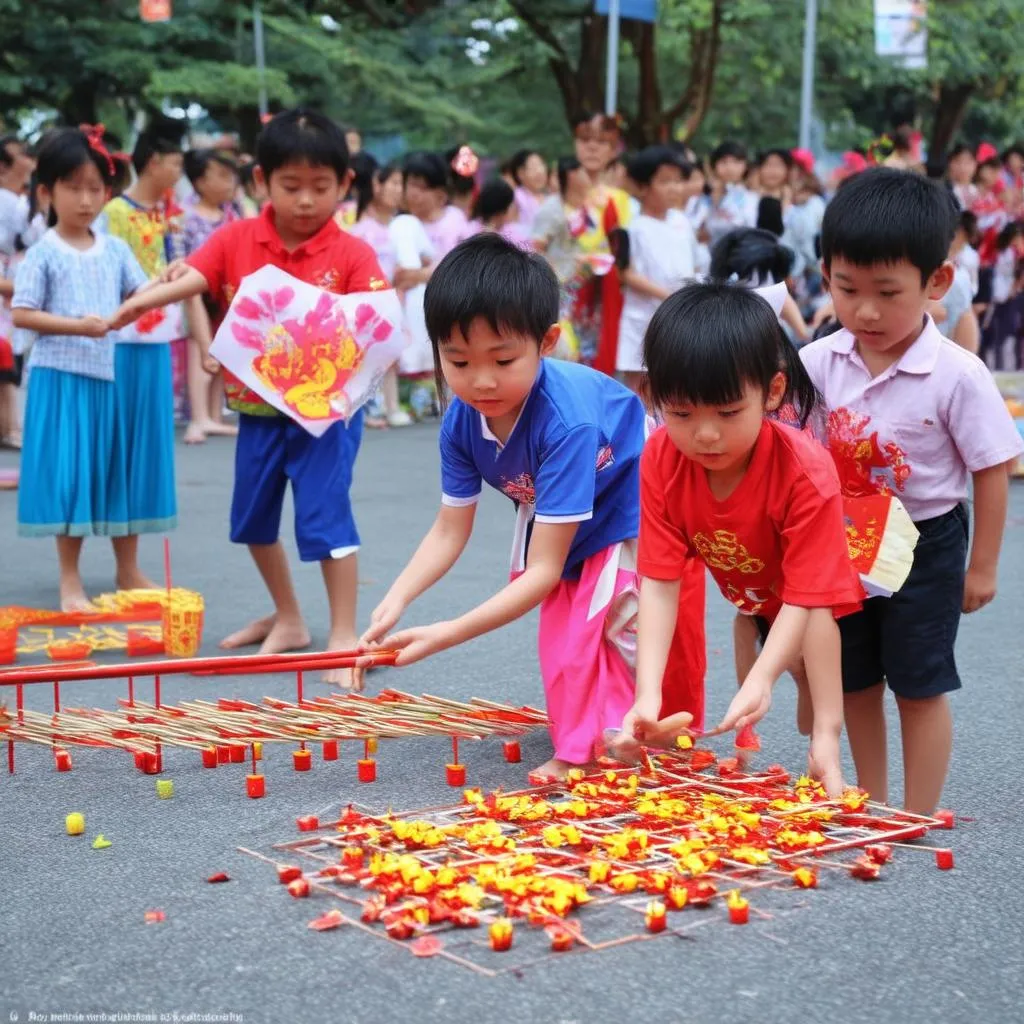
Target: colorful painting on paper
{"x": 315, "y": 356}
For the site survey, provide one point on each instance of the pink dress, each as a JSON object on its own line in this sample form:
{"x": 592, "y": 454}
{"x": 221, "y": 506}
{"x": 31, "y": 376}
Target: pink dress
{"x": 378, "y": 237}
{"x": 528, "y": 205}
{"x": 447, "y": 231}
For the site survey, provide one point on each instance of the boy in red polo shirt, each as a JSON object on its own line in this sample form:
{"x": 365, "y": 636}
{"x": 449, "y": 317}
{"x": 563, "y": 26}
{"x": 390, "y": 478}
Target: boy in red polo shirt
{"x": 303, "y": 162}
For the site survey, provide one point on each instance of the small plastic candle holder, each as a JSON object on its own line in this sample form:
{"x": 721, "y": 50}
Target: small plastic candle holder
{"x": 302, "y": 759}
{"x": 330, "y": 750}
{"x": 367, "y": 769}
{"x": 512, "y": 752}
{"x": 308, "y": 823}
{"x": 223, "y": 753}
{"x": 255, "y": 786}
{"x": 299, "y": 888}
{"x": 62, "y": 760}
{"x": 944, "y": 859}
{"x": 236, "y": 753}
{"x": 209, "y": 757}
{"x": 456, "y": 774}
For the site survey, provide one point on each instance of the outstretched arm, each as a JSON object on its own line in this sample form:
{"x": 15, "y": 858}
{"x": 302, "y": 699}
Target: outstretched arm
{"x": 549, "y": 548}
{"x": 190, "y": 283}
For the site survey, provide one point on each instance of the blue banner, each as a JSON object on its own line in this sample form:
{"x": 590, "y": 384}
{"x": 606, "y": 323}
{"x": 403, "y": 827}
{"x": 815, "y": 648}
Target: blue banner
{"x": 636, "y": 10}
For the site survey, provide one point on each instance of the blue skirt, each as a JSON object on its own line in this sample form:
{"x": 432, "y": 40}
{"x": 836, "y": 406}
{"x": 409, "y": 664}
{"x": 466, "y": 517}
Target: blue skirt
{"x": 145, "y": 421}
{"x": 72, "y": 473}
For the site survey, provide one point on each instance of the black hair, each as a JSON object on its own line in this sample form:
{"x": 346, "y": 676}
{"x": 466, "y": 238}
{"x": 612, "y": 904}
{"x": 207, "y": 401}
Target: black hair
{"x": 706, "y": 342}
{"x": 364, "y": 167}
{"x": 1014, "y": 149}
{"x": 645, "y": 165}
{"x": 783, "y": 154}
{"x": 486, "y": 277}
{"x": 565, "y": 166}
{"x": 958, "y": 150}
{"x": 969, "y": 225}
{"x": 748, "y": 252}
{"x": 494, "y": 199}
{"x": 430, "y": 167}
{"x": 6, "y": 160}
{"x": 885, "y": 216}
{"x": 62, "y": 153}
{"x": 159, "y": 139}
{"x": 518, "y": 161}
{"x": 459, "y": 184}
{"x": 728, "y": 148}
{"x": 198, "y": 160}
{"x": 302, "y": 136}
{"x": 245, "y": 174}
{"x": 1009, "y": 232}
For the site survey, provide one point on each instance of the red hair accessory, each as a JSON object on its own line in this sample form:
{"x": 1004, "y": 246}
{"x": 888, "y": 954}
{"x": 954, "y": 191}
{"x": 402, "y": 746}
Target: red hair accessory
{"x": 465, "y": 162}
{"x": 804, "y": 159}
{"x": 986, "y": 152}
{"x": 94, "y": 136}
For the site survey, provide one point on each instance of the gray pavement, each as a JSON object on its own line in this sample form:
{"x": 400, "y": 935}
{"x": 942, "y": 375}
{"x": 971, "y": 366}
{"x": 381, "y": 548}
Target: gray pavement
{"x": 922, "y": 945}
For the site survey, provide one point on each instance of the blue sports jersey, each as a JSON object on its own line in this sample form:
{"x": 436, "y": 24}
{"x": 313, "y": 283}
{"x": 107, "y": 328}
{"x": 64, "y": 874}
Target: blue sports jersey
{"x": 572, "y": 457}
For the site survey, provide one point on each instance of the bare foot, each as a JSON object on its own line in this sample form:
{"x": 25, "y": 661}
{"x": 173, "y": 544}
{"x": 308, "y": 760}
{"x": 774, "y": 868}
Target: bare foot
{"x": 194, "y": 434}
{"x": 255, "y": 633}
{"x": 344, "y": 678}
{"x": 218, "y": 429}
{"x": 73, "y": 597}
{"x": 134, "y": 579}
{"x": 285, "y": 635}
{"x": 552, "y": 771}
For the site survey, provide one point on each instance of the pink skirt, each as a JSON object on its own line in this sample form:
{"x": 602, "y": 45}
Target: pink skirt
{"x": 587, "y": 644}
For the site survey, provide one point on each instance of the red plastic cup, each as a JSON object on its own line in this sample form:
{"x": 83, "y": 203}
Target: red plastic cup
{"x": 944, "y": 859}
{"x": 302, "y": 759}
{"x": 209, "y": 757}
{"x": 236, "y": 753}
{"x": 367, "y": 768}
{"x": 456, "y": 774}
{"x": 62, "y": 759}
{"x": 330, "y": 750}
{"x": 512, "y": 753}
{"x": 255, "y": 786}
{"x": 308, "y": 823}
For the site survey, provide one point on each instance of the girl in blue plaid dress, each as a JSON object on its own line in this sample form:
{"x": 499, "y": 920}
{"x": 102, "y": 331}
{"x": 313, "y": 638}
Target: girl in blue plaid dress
{"x": 73, "y": 478}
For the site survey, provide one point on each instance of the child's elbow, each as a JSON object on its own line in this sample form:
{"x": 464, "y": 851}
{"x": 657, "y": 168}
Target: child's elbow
{"x": 19, "y": 317}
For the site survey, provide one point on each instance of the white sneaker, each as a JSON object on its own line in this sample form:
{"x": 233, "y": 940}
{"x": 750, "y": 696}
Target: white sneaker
{"x": 400, "y": 418}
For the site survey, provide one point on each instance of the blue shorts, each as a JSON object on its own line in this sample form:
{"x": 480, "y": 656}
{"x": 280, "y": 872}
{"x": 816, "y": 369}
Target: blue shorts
{"x": 908, "y": 639}
{"x": 271, "y": 451}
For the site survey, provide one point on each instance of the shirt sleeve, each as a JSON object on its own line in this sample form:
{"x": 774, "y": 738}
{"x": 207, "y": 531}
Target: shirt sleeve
{"x": 30, "y": 280}
{"x": 545, "y": 224}
{"x": 816, "y": 567}
{"x": 133, "y": 277}
{"x": 364, "y": 273}
{"x": 663, "y": 548}
{"x": 211, "y": 258}
{"x": 460, "y": 479}
{"x": 567, "y": 477}
{"x": 979, "y": 422}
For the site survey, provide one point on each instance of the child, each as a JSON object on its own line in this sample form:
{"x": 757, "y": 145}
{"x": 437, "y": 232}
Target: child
{"x": 147, "y": 218}
{"x": 733, "y": 205}
{"x": 494, "y": 209}
{"x": 214, "y": 176}
{"x": 910, "y": 414}
{"x": 463, "y": 164}
{"x": 379, "y": 195}
{"x": 528, "y": 174}
{"x": 563, "y": 442}
{"x": 757, "y": 501}
{"x": 72, "y": 468}
{"x": 1002, "y": 318}
{"x": 659, "y": 254}
{"x": 304, "y": 165}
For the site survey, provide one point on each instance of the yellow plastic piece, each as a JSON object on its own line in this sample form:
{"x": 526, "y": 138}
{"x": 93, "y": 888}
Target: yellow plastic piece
{"x": 75, "y": 824}
{"x": 164, "y": 789}
{"x": 100, "y": 843}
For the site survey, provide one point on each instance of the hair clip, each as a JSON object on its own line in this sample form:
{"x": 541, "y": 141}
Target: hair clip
{"x": 94, "y": 137}
{"x": 465, "y": 162}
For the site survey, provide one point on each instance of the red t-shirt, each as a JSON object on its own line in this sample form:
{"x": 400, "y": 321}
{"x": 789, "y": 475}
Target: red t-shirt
{"x": 331, "y": 259}
{"x": 779, "y": 538}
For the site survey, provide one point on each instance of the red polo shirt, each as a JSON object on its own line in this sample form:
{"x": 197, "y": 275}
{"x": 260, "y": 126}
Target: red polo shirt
{"x": 331, "y": 259}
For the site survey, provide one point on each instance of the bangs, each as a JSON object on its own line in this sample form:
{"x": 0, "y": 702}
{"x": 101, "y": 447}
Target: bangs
{"x": 707, "y": 342}
{"x": 885, "y": 216}
{"x": 297, "y": 137}
{"x": 488, "y": 278}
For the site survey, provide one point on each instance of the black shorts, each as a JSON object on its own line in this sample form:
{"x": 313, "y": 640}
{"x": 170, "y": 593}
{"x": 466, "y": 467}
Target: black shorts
{"x": 907, "y": 639}
{"x": 13, "y": 376}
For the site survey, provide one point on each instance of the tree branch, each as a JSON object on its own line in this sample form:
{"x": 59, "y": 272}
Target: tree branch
{"x": 541, "y": 30}
{"x": 704, "y": 47}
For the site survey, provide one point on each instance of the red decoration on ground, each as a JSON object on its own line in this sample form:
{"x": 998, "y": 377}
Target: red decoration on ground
{"x": 944, "y": 859}
{"x": 865, "y": 869}
{"x": 747, "y": 739}
{"x": 655, "y": 917}
{"x": 210, "y": 757}
{"x": 562, "y": 939}
{"x": 880, "y": 853}
{"x": 325, "y": 922}
{"x": 367, "y": 769}
{"x": 255, "y": 786}
{"x": 288, "y": 873}
{"x": 303, "y": 760}
{"x": 236, "y": 753}
{"x": 948, "y": 818}
{"x": 512, "y": 752}
{"x": 739, "y": 908}
{"x": 223, "y": 754}
{"x": 299, "y": 888}
{"x": 308, "y": 823}
{"x": 330, "y": 750}
{"x": 154, "y": 916}
{"x": 455, "y": 774}
{"x": 221, "y": 876}
{"x": 62, "y": 759}
{"x": 426, "y": 946}
{"x": 500, "y": 934}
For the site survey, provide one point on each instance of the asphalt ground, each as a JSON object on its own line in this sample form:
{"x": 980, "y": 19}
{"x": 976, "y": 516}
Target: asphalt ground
{"x": 922, "y": 945}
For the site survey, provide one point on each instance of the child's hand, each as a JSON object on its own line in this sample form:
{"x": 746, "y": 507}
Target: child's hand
{"x": 384, "y": 619}
{"x": 210, "y": 365}
{"x": 93, "y": 326}
{"x": 642, "y": 728}
{"x": 419, "y": 642}
{"x": 748, "y": 707}
{"x": 173, "y": 272}
{"x": 130, "y": 311}
{"x": 823, "y": 762}
{"x": 979, "y": 589}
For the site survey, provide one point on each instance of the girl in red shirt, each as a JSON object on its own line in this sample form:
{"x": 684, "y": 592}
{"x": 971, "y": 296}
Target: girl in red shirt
{"x": 756, "y": 500}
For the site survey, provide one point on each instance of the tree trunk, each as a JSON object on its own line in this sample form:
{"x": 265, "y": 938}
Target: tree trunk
{"x": 80, "y": 107}
{"x": 950, "y": 109}
{"x": 647, "y": 127}
{"x": 696, "y": 97}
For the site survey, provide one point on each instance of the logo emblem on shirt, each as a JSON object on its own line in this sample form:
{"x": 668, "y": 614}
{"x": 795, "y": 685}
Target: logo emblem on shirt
{"x": 605, "y": 457}
{"x": 329, "y": 280}
{"x": 865, "y": 465}
{"x": 723, "y": 550}
{"x": 520, "y": 489}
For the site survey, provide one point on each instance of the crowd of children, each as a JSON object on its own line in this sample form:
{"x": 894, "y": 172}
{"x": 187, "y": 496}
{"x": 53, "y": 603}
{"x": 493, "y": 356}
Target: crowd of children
{"x": 727, "y": 446}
